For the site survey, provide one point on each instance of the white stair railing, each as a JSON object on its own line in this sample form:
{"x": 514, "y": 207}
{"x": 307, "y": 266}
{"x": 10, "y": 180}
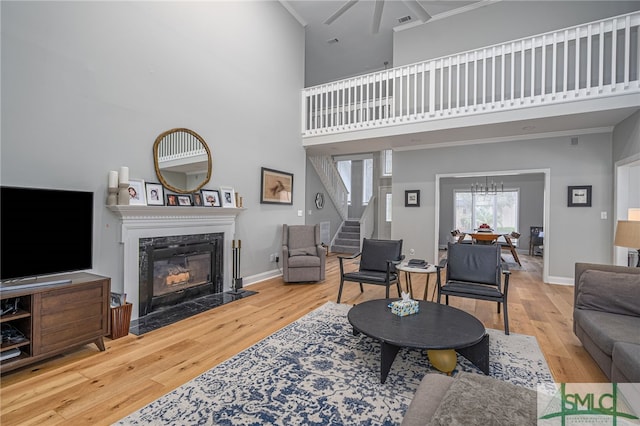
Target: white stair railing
{"x": 332, "y": 181}
{"x": 594, "y": 60}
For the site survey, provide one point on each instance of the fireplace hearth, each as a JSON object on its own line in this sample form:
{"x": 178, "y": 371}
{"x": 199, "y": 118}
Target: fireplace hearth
{"x": 175, "y": 269}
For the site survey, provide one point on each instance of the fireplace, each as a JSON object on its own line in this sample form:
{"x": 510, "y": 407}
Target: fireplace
{"x": 175, "y": 269}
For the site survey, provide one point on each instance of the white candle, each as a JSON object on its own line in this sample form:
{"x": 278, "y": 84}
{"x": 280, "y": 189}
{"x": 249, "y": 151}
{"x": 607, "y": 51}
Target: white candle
{"x": 124, "y": 175}
{"x": 113, "y": 179}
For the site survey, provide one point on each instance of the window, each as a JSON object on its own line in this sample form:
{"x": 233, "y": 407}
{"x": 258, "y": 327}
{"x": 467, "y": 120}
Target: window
{"x": 387, "y": 156}
{"x": 367, "y": 180}
{"x": 500, "y": 211}
{"x": 344, "y": 168}
{"x": 388, "y": 207}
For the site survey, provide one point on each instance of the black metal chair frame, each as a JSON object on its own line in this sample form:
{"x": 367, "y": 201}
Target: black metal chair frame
{"x": 385, "y": 275}
{"x": 492, "y": 291}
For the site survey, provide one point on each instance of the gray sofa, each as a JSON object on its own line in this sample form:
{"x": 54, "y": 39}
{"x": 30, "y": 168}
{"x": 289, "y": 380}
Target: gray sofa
{"x": 606, "y": 318}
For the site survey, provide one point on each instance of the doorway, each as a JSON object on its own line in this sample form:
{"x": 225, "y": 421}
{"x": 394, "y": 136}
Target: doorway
{"x": 495, "y": 174}
{"x": 626, "y": 196}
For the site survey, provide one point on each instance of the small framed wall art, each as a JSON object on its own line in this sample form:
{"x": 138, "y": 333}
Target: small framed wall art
{"x": 412, "y": 198}
{"x": 211, "y": 198}
{"x": 276, "y": 187}
{"x": 155, "y": 194}
{"x": 579, "y": 196}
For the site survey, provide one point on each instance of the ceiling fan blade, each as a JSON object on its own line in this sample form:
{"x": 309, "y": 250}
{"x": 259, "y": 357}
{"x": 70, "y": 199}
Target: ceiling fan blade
{"x": 417, "y": 8}
{"x": 340, "y": 11}
{"x": 377, "y": 16}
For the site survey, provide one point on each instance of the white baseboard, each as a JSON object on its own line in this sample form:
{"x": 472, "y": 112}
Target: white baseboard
{"x": 561, "y": 280}
{"x": 261, "y": 277}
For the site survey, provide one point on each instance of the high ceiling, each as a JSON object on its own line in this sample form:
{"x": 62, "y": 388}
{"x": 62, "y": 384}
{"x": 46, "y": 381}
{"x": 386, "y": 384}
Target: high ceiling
{"x": 361, "y": 45}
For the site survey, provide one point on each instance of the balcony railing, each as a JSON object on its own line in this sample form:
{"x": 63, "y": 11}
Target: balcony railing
{"x": 593, "y": 60}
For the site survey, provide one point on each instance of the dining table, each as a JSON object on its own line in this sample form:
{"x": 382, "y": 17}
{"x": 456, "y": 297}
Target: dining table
{"x": 491, "y": 237}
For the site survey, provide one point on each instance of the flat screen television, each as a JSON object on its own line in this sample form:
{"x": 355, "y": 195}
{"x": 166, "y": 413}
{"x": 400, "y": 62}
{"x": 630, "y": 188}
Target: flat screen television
{"x": 44, "y": 232}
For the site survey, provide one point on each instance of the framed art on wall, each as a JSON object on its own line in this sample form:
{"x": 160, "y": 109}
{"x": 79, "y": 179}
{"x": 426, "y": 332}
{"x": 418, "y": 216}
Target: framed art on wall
{"x": 155, "y": 194}
{"x": 579, "y": 196}
{"x": 276, "y": 187}
{"x": 412, "y": 198}
{"x": 211, "y": 198}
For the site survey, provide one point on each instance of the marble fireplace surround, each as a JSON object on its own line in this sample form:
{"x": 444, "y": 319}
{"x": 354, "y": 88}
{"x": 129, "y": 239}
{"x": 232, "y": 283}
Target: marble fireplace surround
{"x": 158, "y": 221}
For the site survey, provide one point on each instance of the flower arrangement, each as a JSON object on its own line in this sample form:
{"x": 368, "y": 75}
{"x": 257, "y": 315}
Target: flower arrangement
{"x": 484, "y": 226}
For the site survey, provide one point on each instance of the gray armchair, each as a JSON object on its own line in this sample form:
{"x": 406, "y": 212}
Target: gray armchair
{"x": 303, "y": 256}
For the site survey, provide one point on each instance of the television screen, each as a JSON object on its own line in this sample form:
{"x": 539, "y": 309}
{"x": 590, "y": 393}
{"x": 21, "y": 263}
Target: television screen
{"x": 44, "y": 231}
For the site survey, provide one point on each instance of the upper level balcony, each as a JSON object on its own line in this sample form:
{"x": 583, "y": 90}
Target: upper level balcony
{"x": 582, "y": 77}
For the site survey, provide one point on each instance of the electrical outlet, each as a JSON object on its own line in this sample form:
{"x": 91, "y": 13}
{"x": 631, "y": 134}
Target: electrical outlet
{"x": 272, "y": 257}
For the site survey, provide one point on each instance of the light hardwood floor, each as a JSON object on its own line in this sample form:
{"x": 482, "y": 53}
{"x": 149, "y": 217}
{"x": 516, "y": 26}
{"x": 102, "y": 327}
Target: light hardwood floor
{"x": 88, "y": 387}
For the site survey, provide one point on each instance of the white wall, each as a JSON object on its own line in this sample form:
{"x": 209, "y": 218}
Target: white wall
{"x": 573, "y": 234}
{"x": 496, "y": 23}
{"x": 88, "y": 86}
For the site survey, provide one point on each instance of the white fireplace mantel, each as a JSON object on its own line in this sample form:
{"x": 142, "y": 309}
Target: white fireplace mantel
{"x": 160, "y": 221}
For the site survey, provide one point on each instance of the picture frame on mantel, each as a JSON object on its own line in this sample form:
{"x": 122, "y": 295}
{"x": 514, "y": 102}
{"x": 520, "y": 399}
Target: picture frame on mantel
{"x": 579, "y": 196}
{"x": 227, "y": 196}
{"x": 137, "y": 195}
{"x": 155, "y": 194}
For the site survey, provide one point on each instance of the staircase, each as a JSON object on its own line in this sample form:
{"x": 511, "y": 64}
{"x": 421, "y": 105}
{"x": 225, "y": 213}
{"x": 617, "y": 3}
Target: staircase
{"x": 348, "y": 238}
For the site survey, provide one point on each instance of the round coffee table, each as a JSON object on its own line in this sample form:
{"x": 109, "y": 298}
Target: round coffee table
{"x": 434, "y": 327}
{"x": 408, "y": 270}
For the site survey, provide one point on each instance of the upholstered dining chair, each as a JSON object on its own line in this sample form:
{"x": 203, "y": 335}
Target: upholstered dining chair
{"x": 508, "y": 245}
{"x": 475, "y": 271}
{"x": 303, "y": 256}
{"x": 378, "y": 260}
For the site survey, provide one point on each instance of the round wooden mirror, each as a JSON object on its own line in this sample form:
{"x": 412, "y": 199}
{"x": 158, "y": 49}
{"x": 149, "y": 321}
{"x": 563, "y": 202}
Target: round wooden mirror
{"x": 182, "y": 160}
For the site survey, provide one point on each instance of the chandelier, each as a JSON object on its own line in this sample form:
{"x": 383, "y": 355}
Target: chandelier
{"x": 488, "y": 188}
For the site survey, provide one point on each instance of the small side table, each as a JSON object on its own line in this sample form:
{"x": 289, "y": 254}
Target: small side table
{"x": 408, "y": 270}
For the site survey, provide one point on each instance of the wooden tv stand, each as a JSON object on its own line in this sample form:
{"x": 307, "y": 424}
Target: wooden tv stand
{"x": 55, "y": 318}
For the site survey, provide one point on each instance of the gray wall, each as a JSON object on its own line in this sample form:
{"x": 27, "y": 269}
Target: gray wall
{"x": 573, "y": 234}
{"x": 328, "y": 213}
{"x": 498, "y": 22}
{"x": 531, "y": 203}
{"x": 626, "y": 139}
{"x": 88, "y": 86}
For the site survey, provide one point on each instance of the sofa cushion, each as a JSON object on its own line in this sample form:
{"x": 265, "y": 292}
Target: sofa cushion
{"x": 606, "y": 329}
{"x": 427, "y": 398}
{"x": 304, "y": 251}
{"x": 494, "y": 402}
{"x": 303, "y": 261}
{"x": 612, "y": 292}
{"x": 626, "y": 359}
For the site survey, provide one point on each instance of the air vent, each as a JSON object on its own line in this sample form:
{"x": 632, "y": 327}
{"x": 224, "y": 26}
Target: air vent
{"x": 404, "y": 19}
{"x": 333, "y": 41}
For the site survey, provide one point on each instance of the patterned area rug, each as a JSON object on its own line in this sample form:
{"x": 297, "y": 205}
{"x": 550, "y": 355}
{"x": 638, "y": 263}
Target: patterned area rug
{"x": 316, "y": 372}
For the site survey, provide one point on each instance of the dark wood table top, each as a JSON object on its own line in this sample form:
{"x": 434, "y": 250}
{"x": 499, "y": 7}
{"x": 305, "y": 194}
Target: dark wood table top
{"x": 435, "y": 326}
